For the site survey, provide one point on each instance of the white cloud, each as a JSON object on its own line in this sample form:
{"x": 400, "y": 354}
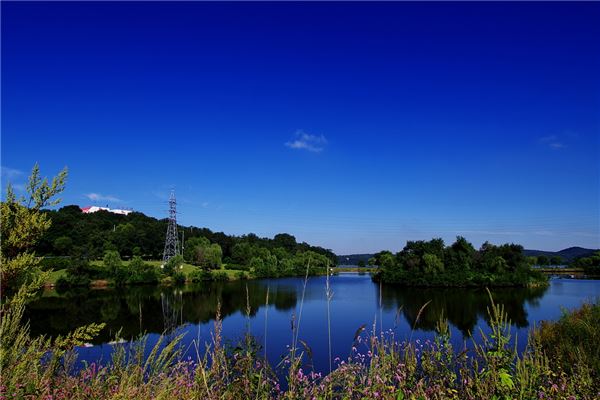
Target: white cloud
{"x": 101, "y": 197}
{"x": 305, "y": 141}
{"x": 543, "y": 233}
{"x": 19, "y": 187}
{"x": 552, "y": 141}
{"x": 11, "y": 173}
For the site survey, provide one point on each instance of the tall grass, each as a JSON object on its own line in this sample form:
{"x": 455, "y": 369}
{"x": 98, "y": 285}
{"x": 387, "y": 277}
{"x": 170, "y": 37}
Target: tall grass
{"x": 379, "y": 366}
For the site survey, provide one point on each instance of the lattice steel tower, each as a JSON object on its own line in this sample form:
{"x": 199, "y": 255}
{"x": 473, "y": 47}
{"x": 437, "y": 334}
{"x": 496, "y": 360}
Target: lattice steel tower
{"x": 172, "y": 240}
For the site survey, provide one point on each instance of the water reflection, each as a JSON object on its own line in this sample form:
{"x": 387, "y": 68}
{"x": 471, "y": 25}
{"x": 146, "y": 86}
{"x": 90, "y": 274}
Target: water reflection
{"x": 461, "y": 306}
{"x": 146, "y": 309}
{"x": 150, "y": 309}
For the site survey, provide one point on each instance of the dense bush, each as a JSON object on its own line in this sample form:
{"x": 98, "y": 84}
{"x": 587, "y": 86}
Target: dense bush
{"x": 241, "y": 275}
{"x": 179, "y": 278}
{"x": 220, "y": 276}
{"x": 238, "y": 267}
{"x": 141, "y": 272}
{"x": 590, "y": 265}
{"x": 79, "y": 273}
{"x": 69, "y": 281}
{"x": 574, "y": 340}
{"x": 200, "y": 275}
{"x": 173, "y": 265}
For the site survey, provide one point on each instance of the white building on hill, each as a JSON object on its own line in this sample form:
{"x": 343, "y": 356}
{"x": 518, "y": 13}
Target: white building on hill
{"x": 93, "y": 209}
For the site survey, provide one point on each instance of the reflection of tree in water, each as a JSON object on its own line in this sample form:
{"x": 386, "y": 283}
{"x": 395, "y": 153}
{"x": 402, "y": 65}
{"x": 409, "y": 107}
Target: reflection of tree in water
{"x": 151, "y": 309}
{"x": 461, "y": 306}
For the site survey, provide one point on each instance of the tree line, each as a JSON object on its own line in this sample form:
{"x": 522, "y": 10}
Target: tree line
{"x": 76, "y": 235}
{"x": 432, "y": 263}
{"x": 590, "y": 265}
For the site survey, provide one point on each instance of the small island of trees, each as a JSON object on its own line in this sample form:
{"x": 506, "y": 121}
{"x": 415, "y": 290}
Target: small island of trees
{"x": 431, "y": 263}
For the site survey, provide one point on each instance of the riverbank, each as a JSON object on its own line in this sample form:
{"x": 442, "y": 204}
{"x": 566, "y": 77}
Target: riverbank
{"x": 191, "y": 273}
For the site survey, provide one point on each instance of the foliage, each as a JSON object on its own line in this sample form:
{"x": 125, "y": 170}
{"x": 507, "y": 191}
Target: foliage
{"x": 56, "y": 263}
{"x": 27, "y": 362}
{"x": 200, "y": 275}
{"x": 543, "y": 260}
{"x": 590, "y": 265}
{"x": 63, "y": 245}
{"x": 199, "y": 251}
{"x": 431, "y": 263}
{"x": 137, "y": 234}
{"x": 22, "y": 225}
{"x": 112, "y": 261}
{"x": 573, "y": 340}
{"x": 173, "y": 265}
{"x": 220, "y": 276}
{"x": 179, "y": 278}
{"x": 141, "y": 272}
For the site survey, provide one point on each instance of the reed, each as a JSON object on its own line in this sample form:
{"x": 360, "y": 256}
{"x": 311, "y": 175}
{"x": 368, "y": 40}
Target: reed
{"x": 378, "y": 367}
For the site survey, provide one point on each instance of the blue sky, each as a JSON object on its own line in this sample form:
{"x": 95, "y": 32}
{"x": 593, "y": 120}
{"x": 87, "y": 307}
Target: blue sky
{"x": 352, "y": 126}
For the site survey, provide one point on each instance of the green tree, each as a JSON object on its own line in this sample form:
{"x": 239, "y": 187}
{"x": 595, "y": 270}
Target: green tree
{"x": 257, "y": 266}
{"x": 194, "y": 250}
{"x": 361, "y": 263}
{"x": 173, "y": 266}
{"x": 433, "y": 264}
{"x": 112, "y": 261}
{"x": 543, "y": 260}
{"x": 22, "y": 225}
{"x": 63, "y": 245}
{"x": 212, "y": 257}
{"x": 136, "y": 263}
{"x": 556, "y": 260}
{"x": 387, "y": 260}
{"x": 199, "y": 251}
{"x": 285, "y": 240}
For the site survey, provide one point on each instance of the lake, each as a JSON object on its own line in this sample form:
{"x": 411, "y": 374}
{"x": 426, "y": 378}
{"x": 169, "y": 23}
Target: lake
{"x": 357, "y": 300}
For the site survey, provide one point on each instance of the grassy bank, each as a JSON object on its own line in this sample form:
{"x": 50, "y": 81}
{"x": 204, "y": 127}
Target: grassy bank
{"x": 187, "y": 270}
{"x": 561, "y": 362}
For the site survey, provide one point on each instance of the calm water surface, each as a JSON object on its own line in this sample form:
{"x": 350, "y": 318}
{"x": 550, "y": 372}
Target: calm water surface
{"x": 356, "y": 301}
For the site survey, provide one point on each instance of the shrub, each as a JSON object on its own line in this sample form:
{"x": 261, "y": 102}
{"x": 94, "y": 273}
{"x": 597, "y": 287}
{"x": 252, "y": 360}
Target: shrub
{"x": 200, "y": 275}
{"x": 573, "y": 340}
{"x": 238, "y": 267}
{"x": 241, "y": 275}
{"x": 220, "y": 276}
{"x": 69, "y": 281}
{"x": 140, "y": 272}
{"x": 167, "y": 281}
{"x": 173, "y": 265}
{"x": 112, "y": 261}
{"x": 179, "y": 278}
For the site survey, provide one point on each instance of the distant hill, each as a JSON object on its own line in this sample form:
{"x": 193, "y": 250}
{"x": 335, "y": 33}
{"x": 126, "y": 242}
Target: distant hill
{"x": 567, "y": 255}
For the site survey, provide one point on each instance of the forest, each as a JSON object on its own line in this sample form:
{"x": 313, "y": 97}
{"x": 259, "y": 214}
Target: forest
{"x": 79, "y": 235}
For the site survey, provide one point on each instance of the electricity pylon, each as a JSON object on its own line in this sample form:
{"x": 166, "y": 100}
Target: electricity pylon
{"x": 172, "y": 240}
